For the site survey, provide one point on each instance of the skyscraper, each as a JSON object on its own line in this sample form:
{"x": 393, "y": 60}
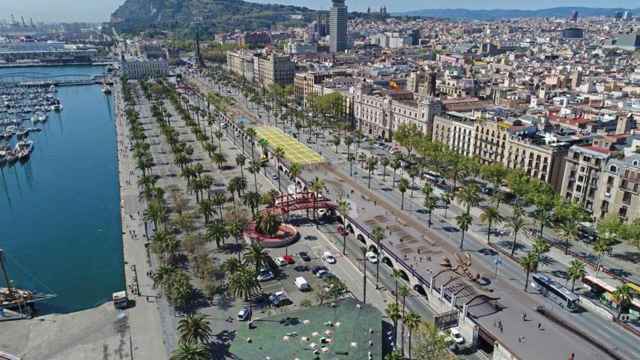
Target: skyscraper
{"x": 338, "y": 26}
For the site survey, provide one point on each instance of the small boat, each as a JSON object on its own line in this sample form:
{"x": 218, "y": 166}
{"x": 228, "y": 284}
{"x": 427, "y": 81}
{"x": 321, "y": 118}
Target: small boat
{"x": 57, "y": 107}
{"x": 106, "y": 89}
{"x": 23, "y": 149}
{"x": 22, "y": 132}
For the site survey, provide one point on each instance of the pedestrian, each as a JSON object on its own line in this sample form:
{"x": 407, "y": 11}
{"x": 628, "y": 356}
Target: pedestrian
{"x": 524, "y": 316}
{"x": 540, "y": 327}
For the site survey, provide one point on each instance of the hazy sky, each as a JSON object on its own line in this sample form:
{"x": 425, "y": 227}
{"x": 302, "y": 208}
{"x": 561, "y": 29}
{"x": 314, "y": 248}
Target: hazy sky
{"x": 99, "y": 10}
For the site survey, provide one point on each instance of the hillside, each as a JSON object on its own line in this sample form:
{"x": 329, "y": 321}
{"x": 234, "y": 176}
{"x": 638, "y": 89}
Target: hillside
{"x": 494, "y": 14}
{"x": 213, "y": 15}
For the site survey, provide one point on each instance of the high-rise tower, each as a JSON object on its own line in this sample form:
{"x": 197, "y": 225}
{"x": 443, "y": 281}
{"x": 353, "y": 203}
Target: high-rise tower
{"x": 338, "y": 26}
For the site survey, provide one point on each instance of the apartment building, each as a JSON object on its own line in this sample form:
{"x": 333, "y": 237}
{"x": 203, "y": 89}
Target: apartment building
{"x": 583, "y": 167}
{"x": 266, "y": 70}
{"x": 240, "y": 62}
{"x": 274, "y": 69}
{"x": 514, "y": 144}
{"x": 619, "y": 186}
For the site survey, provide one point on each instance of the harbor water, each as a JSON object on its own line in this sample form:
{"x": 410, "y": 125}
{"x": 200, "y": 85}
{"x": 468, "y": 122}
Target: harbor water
{"x": 59, "y": 212}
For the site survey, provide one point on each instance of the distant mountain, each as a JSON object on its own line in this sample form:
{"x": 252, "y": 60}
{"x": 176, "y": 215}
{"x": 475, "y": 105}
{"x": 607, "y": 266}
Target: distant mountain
{"x": 496, "y": 14}
{"x": 211, "y": 15}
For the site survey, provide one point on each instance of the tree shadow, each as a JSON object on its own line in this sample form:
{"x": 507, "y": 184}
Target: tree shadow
{"x": 630, "y": 256}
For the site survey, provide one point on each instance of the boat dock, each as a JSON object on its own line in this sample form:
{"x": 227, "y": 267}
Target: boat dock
{"x": 95, "y": 80}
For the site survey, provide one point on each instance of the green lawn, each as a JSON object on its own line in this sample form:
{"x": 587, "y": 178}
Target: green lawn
{"x": 294, "y": 151}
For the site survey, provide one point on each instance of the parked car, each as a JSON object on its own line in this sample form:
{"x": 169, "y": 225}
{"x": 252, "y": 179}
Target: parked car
{"x": 304, "y": 256}
{"x": 328, "y": 257}
{"x": 317, "y": 269}
{"x": 302, "y": 284}
{"x": 244, "y": 314}
{"x": 288, "y": 259}
{"x": 279, "y": 298}
{"x": 265, "y": 275}
{"x": 280, "y": 261}
{"x": 372, "y": 257}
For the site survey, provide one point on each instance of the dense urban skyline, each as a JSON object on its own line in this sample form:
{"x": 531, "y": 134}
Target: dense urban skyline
{"x": 92, "y": 10}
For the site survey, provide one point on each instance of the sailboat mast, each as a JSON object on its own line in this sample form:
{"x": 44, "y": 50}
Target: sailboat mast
{"x": 4, "y": 273}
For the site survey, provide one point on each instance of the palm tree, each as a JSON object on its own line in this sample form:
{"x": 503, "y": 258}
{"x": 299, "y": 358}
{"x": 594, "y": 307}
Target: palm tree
{"x": 189, "y": 351}
{"x": 516, "y": 222}
{"x": 469, "y": 196}
{"x": 570, "y": 232}
{"x": 445, "y": 197}
{"x": 256, "y": 254}
{"x": 279, "y": 154}
{"x": 232, "y": 265}
{"x": 240, "y": 161}
{"x": 243, "y": 283}
{"x": 540, "y": 246}
{"x": 491, "y": 217}
{"x": 294, "y": 172}
{"x": 216, "y": 231}
{"x": 432, "y": 343}
{"x": 363, "y": 251}
{"x": 384, "y": 162}
{"x": 412, "y": 322}
{"x": 348, "y": 141}
{"x": 378, "y": 235}
{"x": 252, "y": 200}
{"x": 372, "y": 162}
{"x": 430, "y": 203}
{"x": 218, "y": 199}
{"x": 403, "y": 292}
{"x": 396, "y": 274}
{"x": 395, "y": 165}
{"x": 576, "y": 271}
{"x": 156, "y": 212}
{"x": 194, "y": 328}
{"x": 219, "y": 159}
{"x": 464, "y": 221}
{"x": 336, "y": 141}
{"x": 344, "y": 207}
{"x": 529, "y": 263}
{"x": 251, "y": 133}
{"x": 622, "y": 297}
{"x": 254, "y": 168}
{"x": 601, "y": 248}
{"x": 393, "y": 312}
{"x": 206, "y": 208}
{"x": 235, "y": 228}
{"x": 403, "y": 187}
{"x": 316, "y": 187}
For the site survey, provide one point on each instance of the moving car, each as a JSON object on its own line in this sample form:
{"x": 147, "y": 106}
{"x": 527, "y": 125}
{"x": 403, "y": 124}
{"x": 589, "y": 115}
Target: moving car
{"x": 304, "y": 256}
{"x": 372, "y": 257}
{"x": 456, "y": 336}
{"x": 328, "y": 257}
{"x": 244, "y": 314}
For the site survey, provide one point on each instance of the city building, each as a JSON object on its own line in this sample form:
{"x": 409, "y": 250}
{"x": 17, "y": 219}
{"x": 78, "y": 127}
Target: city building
{"x": 273, "y": 69}
{"x": 515, "y": 144}
{"x": 145, "y": 69}
{"x": 338, "y": 26}
{"x": 298, "y": 47}
{"x": 572, "y": 33}
{"x": 255, "y": 39}
{"x": 265, "y": 70}
{"x": 629, "y": 42}
{"x": 46, "y": 52}
{"x": 380, "y": 112}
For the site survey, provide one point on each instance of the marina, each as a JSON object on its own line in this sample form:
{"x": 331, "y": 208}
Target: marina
{"x": 59, "y": 192}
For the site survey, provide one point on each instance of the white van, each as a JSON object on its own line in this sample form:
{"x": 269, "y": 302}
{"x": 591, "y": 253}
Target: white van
{"x": 302, "y": 284}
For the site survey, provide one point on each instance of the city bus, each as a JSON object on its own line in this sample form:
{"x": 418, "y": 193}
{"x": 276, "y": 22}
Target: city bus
{"x": 602, "y": 289}
{"x": 556, "y": 292}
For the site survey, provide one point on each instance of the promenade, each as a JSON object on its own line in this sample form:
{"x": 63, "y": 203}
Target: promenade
{"x": 144, "y": 317}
